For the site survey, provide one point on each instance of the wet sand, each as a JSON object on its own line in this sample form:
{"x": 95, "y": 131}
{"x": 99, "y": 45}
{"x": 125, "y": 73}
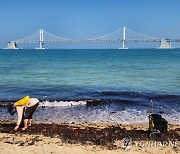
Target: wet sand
{"x": 83, "y": 138}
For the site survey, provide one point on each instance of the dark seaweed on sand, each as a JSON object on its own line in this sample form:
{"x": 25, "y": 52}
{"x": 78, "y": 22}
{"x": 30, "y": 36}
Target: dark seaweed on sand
{"x": 84, "y": 134}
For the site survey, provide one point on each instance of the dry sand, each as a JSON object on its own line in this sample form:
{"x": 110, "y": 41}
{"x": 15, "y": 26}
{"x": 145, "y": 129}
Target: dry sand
{"x": 40, "y": 141}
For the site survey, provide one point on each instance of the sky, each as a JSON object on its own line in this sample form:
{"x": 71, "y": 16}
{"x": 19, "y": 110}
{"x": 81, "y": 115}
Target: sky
{"x": 82, "y": 19}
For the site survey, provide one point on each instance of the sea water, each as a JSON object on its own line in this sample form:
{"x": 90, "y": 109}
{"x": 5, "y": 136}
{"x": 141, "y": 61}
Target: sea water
{"x": 93, "y": 85}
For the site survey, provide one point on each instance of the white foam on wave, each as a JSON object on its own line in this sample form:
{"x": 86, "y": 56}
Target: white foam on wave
{"x": 124, "y": 117}
{"x": 63, "y": 111}
{"x": 127, "y": 116}
{"x": 173, "y": 118}
{"x": 62, "y": 103}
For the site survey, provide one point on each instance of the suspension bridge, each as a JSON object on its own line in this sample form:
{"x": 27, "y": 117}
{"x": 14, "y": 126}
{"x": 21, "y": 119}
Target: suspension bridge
{"x": 122, "y": 35}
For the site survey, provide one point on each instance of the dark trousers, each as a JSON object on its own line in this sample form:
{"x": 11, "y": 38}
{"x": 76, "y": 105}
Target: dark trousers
{"x": 28, "y": 112}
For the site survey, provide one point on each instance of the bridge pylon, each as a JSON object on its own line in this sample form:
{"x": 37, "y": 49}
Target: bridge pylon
{"x": 124, "y": 39}
{"x": 41, "y": 39}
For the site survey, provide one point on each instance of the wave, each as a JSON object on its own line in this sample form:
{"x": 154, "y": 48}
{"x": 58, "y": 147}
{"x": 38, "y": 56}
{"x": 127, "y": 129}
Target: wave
{"x": 98, "y": 110}
{"x": 62, "y": 103}
{"x": 98, "y": 102}
{"x": 130, "y": 98}
{"x": 53, "y": 103}
{"x": 134, "y": 94}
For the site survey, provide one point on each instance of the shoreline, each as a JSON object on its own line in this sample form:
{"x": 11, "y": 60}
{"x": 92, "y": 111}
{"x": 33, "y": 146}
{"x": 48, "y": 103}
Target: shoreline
{"x": 84, "y": 137}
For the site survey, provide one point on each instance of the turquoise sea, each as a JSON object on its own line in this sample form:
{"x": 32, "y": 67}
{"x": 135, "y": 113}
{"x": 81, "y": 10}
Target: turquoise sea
{"x": 93, "y": 85}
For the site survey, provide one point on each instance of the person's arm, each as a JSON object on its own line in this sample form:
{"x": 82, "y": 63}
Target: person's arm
{"x": 20, "y": 114}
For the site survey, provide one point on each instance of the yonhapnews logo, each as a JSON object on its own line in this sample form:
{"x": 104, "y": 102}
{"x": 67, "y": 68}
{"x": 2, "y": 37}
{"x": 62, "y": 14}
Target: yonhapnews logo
{"x": 127, "y": 143}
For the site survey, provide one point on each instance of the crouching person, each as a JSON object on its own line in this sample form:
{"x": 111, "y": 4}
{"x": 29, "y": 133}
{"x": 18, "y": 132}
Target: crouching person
{"x": 25, "y": 109}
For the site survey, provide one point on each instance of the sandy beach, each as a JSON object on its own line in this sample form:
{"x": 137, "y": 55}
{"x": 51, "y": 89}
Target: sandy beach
{"x": 67, "y": 138}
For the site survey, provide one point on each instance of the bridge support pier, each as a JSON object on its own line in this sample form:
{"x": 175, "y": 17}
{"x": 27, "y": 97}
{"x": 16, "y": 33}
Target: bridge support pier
{"x": 12, "y": 45}
{"x": 165, "y": 44}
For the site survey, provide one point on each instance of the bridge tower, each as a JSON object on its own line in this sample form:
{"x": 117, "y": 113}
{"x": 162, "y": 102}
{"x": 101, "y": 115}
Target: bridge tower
{"x": 41, "y": 39}
{"x": 124, "y": 38}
